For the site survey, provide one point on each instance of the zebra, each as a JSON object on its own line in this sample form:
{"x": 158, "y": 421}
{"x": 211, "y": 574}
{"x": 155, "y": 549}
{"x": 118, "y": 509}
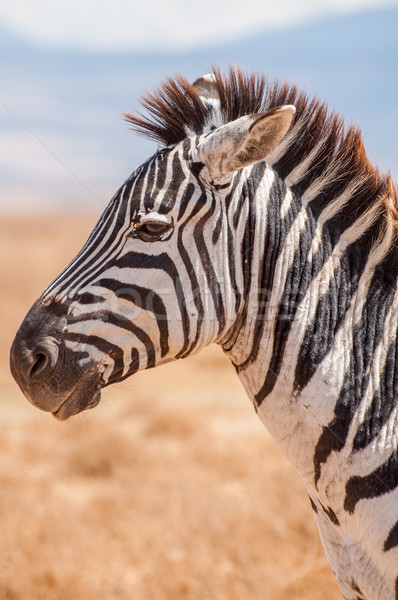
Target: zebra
{"x": 260, "y": 225}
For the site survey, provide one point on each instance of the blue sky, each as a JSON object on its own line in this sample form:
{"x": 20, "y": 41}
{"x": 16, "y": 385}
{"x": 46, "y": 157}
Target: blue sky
{"x": 69, "y": 69}
{"x": 113, "y": 25}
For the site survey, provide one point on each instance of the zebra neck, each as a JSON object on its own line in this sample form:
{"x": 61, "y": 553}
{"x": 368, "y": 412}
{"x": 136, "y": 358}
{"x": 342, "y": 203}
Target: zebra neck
{"x": 307, "y": 350}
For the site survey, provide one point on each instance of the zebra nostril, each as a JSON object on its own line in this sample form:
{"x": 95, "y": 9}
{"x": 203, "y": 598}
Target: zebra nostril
{"x": 40, "y": 362}
{"x": 35, "y": 350}
{"x": 40, "y": 365}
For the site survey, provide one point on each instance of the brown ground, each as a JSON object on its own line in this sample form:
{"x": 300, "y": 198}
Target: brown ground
{"x": 171, "y": 489}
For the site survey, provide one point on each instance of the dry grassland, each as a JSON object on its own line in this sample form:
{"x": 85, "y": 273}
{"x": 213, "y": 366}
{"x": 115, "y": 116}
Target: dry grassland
{"x": 171, "y": 489}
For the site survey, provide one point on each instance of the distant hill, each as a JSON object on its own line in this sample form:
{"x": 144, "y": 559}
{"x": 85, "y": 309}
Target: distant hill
{"x": 60, "y": 112}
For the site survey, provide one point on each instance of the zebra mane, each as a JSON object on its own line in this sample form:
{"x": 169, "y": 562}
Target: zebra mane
{"x": 321, "y": 157}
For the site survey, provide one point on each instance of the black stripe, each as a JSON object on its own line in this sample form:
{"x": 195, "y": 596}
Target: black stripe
{"x": 191, "y": 188}
{"x": 88, "y": 298}
{"x": 117, "y": 376}
{"x": 217, "y": 229}
{"x": 381, "y": 481}
{"x": 313, "y": 505}
{"x": 231, "y": 243}
{"x": 392, "y": 539}
{"x": 162, "y": 164}
{"x": 231, "y": 268}
{"x": 207, "y": 263}
{"x": 383, "y": 402}
{"x": 104, "y": 346}
{"x": 243, "y": 200}
{"x": 246, "y": 253}
{"x": 138, "y": 180}
{"x": 329, "y": 512}
{"x": 186, "y": 200}
{"x": 190, "y": 271}
{"x": 151, "y": 188}
{"x": 177, "y": 178}
{"x": 243, "y": 197}
{"x": 356, "y": 589}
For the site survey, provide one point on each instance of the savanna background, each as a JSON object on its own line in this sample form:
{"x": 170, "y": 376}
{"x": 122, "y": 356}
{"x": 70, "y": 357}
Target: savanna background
{"x": 171, "y": 489}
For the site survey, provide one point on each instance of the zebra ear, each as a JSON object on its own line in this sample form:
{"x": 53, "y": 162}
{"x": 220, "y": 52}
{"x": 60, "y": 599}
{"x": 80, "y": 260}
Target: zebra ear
{"x": 206, "y": 87}
{"x": 242, "y": 143}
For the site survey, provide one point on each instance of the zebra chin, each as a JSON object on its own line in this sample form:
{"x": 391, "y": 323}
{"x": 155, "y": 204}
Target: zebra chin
{"x": 82, "y": 398}
{"x": 52, "y": 377}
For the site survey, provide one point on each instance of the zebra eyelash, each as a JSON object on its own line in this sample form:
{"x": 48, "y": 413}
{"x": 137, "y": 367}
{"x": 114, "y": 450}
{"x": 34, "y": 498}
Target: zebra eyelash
{"x": 151, "y": 228}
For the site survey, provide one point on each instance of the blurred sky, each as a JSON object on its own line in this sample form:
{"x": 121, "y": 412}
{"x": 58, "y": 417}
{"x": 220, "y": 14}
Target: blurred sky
{"x": 69, "y": 68}
{"x": 161, "y": 24}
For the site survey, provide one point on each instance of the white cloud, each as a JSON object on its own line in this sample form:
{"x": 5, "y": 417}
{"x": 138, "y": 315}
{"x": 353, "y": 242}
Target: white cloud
{"x": 161, "y": 24}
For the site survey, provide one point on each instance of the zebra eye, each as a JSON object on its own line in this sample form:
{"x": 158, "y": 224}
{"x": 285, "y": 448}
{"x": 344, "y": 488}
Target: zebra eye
{"x": 154, "y": 227}
{"x": 151, "y": 231}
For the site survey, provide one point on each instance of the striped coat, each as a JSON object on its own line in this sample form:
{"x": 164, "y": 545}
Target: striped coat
{"x": 261, "y": 226}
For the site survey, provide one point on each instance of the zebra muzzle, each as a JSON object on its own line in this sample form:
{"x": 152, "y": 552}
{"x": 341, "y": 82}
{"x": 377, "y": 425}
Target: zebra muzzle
{"x": 47, "y": 373}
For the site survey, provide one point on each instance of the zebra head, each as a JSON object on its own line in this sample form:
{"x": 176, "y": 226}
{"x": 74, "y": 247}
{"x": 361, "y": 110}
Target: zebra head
{"x": 161, "y": 274}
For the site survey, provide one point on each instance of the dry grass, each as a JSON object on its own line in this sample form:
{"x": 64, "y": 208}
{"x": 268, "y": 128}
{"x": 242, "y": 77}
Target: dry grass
{"x": 170, "y": 489}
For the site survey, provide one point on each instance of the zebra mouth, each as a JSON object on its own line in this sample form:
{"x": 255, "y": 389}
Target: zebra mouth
{"x": 77, "y": 401}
